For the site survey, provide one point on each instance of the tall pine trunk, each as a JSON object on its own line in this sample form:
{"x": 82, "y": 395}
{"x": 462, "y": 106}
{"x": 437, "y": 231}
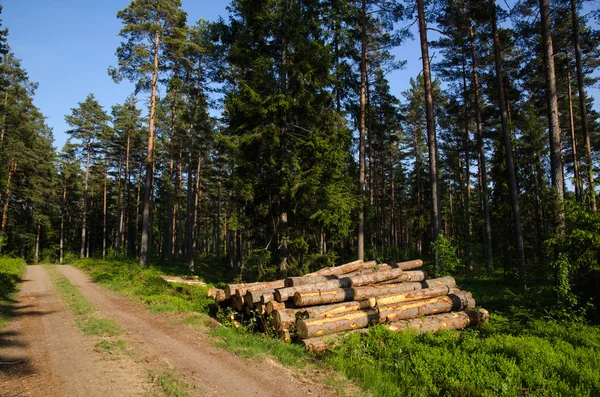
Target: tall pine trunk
{"x": 12, "y": 168}
{"x": 481, "y": 152}
{"x": 556, "y": 166}
{"x": 578, "y": 190}
{"x": 510, "y": 165}
{"x": 144, "y": 244}
{"x": 431, "y": 135}
{"x": 82, "y": 254}
{"x": 361, "y": 149}
{"x": 104, "y": 211}
{"x": 583, "y": 108}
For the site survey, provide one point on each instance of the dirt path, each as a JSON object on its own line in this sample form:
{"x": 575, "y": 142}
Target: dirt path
{"x": 43, "y": 353}
{"x": 213, "y": 371}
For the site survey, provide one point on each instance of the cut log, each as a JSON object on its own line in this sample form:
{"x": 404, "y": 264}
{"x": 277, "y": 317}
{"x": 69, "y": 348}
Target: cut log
{"x": 237, "y": 304}
{"x": 284, "y": 335}
{"x": 189, "y": 280}
{"x": 217, "y": 294}
{"x": 325, "y": 296}
{"x": 267, "y": 297}
{"x": 361, "y": 319}
{"x": 274, "y": 305}
{"x": 343, "y": 269}
{"x": 283, "y": 294}
{"x": 240, "y": 289}
{"x": 385, "y": 300}
{"x": 259, "y": 308}
{"x": 454, "y": 320}
{"x": 408, "y": 265}
{"x": 252, "y": 297}
{"x": 322, "y": 343}
{"x": 283, "y": 318}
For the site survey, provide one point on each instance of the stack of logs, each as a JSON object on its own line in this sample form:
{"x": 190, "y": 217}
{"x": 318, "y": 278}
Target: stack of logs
{"x": 317, "y": 307}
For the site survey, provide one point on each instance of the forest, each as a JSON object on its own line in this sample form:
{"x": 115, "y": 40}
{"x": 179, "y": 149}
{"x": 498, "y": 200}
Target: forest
{"x": 269, "y": 144}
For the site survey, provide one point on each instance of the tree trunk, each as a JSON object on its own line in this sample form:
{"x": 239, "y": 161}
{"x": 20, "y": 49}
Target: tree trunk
{"x": 583, "y": 107}
{"x": 4, "y": 115}
{"x": 241, "y": 289}
{"x": 436, "y": 322}
{"x": 36, "y": 256}
{"x": 283, "y": 294}
{"x": 403, "y": 311}
{"x": 361, "y": 149}
{"x": 62, "y": 224}
{"x": 510, "y": 165}
{"x": 82, "y": 254}
{"x": 144, "y": 244}
{"x": 12, "y": 168}
{"x": 330, "y": 310}
{"x": 104, "y": 212}
{"x": 431, "y": 135}
{"x": 576, "y": 176}
{"x": 123, "y": 224}
{"x": 481, "y": 149}
{"x": 556, "y": 166}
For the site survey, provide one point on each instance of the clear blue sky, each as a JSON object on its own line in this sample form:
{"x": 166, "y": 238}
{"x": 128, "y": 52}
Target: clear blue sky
{"x": 67, "y": 45}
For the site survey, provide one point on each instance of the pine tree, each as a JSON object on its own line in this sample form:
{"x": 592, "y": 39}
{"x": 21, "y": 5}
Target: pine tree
{"x": 153, "y": 30}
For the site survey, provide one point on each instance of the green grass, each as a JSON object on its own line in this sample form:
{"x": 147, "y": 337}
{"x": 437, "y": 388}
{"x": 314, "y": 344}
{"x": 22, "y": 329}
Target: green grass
{"x": 93, "y": 325}
{"x": 11, "y": 271}
{"x": 518, "y": 352}
{"x": 247, "y": 344}
{"x": 170, "y": 384}
{"x": 146, "y": 285}
{"x": 118, "y": 346}
{"x": 86, "y": 320}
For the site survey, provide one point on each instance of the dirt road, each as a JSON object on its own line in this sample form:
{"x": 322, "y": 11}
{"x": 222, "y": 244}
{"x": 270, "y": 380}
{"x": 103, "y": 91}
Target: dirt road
{"x": 44, "y": 354}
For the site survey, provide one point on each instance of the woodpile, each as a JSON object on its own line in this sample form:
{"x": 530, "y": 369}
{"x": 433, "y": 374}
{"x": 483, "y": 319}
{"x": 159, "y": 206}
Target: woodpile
{"x": 319, "y": 308}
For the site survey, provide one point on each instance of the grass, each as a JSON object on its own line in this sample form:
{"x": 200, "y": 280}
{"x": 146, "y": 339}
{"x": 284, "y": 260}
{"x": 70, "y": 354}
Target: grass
{"x": 118, "y": 346}
{"x": 11, "y": 271}
{"x": 146, "y": 285}
{"x": 85, "y": 318}
{"x": 170, "y": 384}
{"x": 520, "y": 351}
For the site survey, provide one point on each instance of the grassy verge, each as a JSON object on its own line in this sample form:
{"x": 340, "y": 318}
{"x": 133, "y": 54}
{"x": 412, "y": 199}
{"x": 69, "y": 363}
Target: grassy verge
{"x": 87, "y": 321}
{"x": 171, "y": 385}
{"x": 11, "y": 270}
{"x": 519, "y": 352}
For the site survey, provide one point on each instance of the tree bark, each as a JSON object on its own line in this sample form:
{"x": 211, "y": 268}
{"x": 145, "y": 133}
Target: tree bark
{"x": 319, "y": 297}
{"x": 576, "y": 175}
{"x": 436, "y": 322}
{"x": 556, "y": 165}
{"x": 241, "y": 289}
{"x": 583, "y": 107}
{"x": 12, "y": 168}
{"x": 283, "y": 294}
{"x": 361, "y": 149}
{"x": 403, "y": 311}
{"x": 510, "y": 165}
{"x": 144, "y": 244}
{"x": 36, "y": 256}
{"x": 331, "y": 310}
{"x": 85, "y": 199}
{"x": 430, "y": 116}
{"x": 104, "y": 209}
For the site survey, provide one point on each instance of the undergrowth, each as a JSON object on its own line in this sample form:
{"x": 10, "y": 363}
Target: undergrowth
{"x": 520, "y": 351}
{"x": 11, "y": 271}
{"x": 146, "y": 285}
{"x": 170, "y": 384}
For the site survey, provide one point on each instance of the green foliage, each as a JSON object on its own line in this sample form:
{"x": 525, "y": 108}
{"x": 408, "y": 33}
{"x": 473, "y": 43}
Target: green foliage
{"x": 118, "y": 346}
{"x": 511, "y": 355}
{"x": 11, "y": 271}
{"x": 247, "y": 344}
{"x": 146, "y": 285}
{"x": 172, "y": 385}
{"x": 577, "y": 268}
{"x": 444, "y": 249}
{"x": 93, "y": 325}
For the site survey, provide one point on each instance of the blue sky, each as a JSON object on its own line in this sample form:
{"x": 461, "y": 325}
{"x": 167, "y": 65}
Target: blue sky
{"x": 67, "y": 45}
